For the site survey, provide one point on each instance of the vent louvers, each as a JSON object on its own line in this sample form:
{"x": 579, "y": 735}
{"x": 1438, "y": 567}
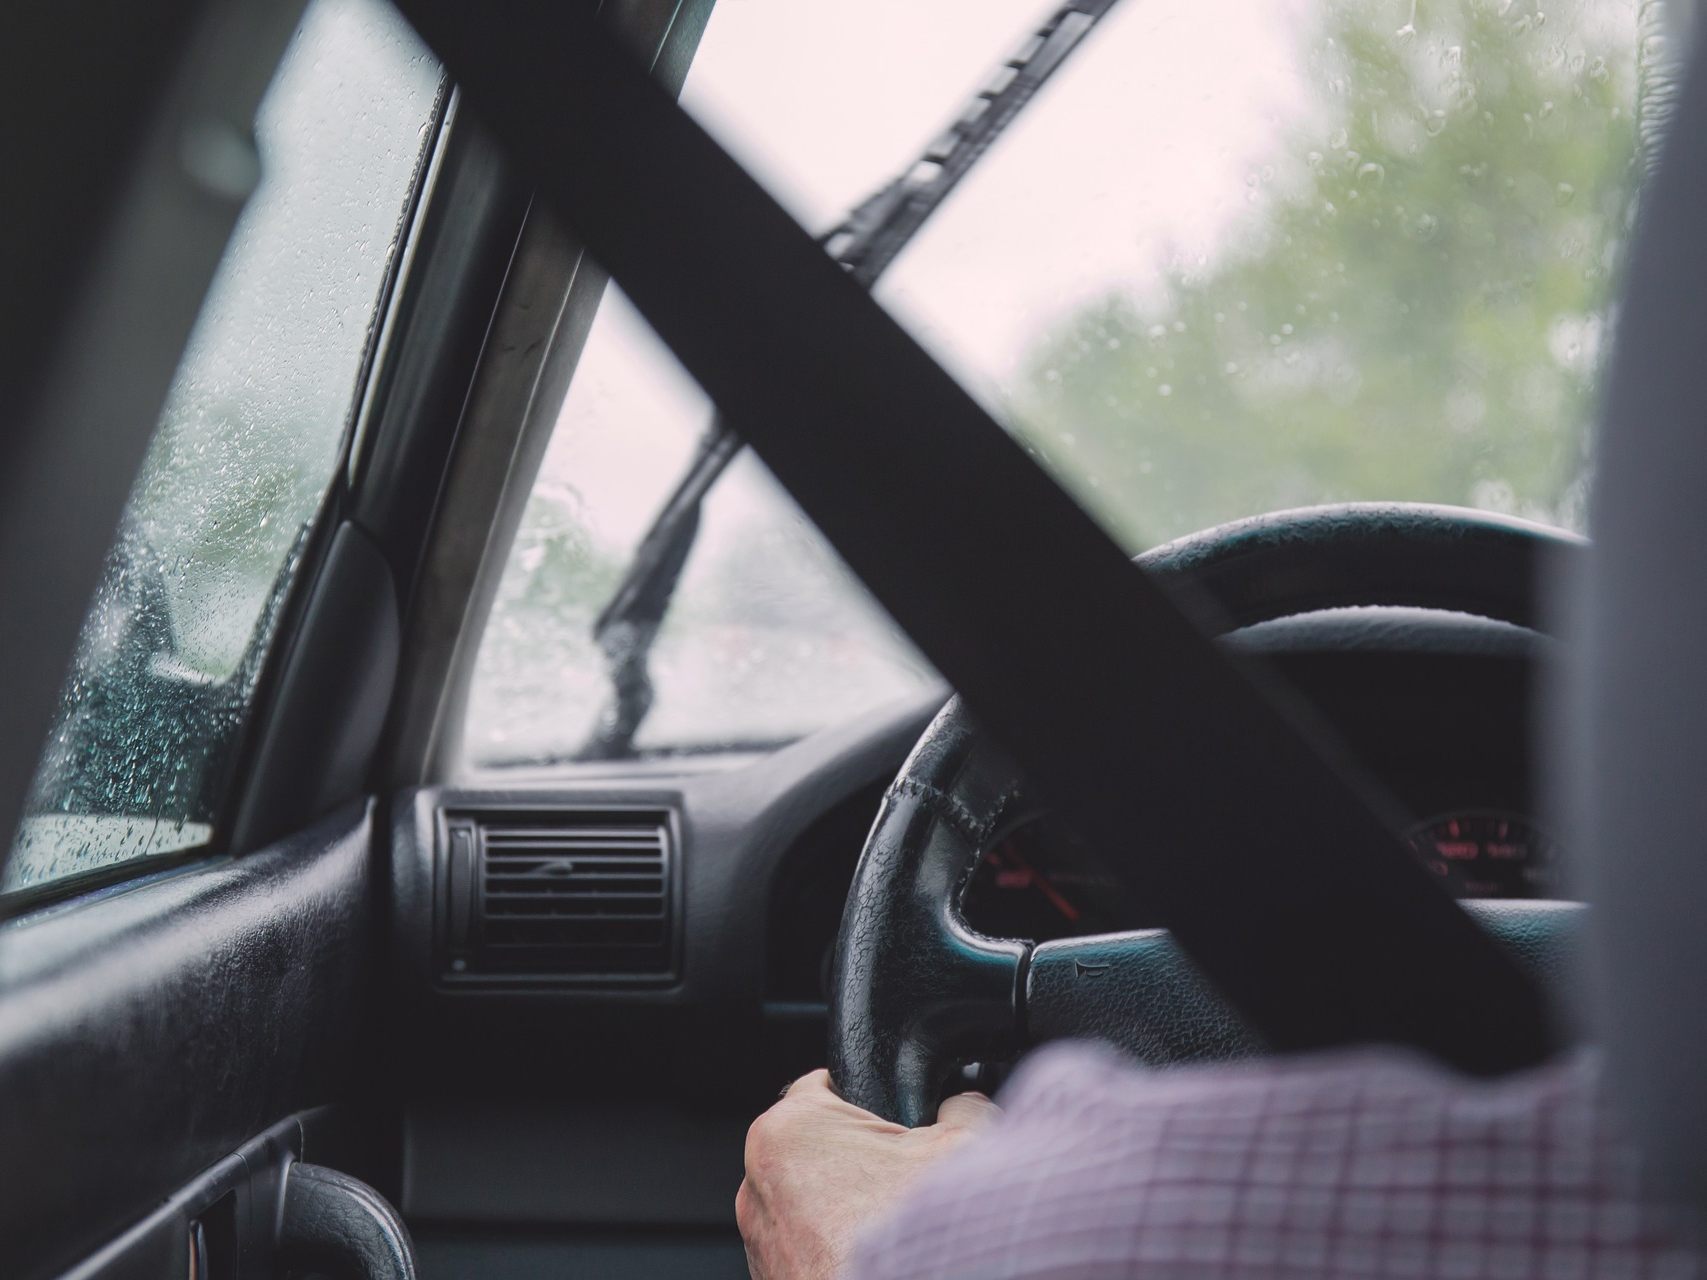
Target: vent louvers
{"x": 581, "y": 895}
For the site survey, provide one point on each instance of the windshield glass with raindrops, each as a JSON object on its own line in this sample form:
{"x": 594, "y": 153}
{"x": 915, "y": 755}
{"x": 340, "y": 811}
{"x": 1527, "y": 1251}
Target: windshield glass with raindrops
{"x": 1234, "y": 258}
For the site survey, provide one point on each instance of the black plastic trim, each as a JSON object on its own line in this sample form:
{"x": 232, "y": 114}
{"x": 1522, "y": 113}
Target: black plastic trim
{"x": 223, "y": 1218}
{"x": 343, "y": 658}
{"x": 445, "y": 955}
{"x": 462, "y": 250}
{"x": 735, "y": 827}
{"x": 340, "y": 1227}
{"x": 18, "y": 903}
{"x": 148, "y": 1032}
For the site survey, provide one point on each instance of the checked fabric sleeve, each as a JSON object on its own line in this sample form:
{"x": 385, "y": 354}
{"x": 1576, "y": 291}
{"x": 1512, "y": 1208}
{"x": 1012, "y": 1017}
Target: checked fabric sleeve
{"x": 1363, "y": 1165}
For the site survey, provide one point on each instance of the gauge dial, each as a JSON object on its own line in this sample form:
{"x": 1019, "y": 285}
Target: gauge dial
{"x": 1488, "y": 854}
{"x": 1034, "y": 882}
{"x": 1030, "y": 884}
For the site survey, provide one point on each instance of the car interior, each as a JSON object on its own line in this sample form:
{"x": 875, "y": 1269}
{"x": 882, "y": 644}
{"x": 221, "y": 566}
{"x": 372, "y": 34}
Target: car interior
{"x": 577, "y": 563}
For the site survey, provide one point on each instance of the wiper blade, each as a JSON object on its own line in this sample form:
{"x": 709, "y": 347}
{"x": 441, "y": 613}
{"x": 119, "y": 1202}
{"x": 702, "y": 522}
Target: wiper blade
{"x": 628, "y": 625}
{"x": 864, "y": 242}
{"x": 868, "y": 239}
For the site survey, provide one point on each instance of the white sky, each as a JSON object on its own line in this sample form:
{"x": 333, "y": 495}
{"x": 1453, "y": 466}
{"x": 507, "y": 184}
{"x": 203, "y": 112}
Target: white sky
{"x": 1140, "y": 148}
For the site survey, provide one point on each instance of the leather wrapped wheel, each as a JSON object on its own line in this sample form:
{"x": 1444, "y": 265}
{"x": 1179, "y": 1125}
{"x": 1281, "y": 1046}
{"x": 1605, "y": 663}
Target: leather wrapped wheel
{"x": 916, "y": 991}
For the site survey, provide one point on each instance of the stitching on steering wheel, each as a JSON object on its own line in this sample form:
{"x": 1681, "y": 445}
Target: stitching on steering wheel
{"x": 950, "y": 809}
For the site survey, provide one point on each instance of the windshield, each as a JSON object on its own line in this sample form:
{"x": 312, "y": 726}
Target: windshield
{"x": 1233, "y": 259}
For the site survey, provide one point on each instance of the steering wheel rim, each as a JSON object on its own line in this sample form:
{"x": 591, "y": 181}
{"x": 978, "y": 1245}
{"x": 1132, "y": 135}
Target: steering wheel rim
{"x": 916, "y": 989}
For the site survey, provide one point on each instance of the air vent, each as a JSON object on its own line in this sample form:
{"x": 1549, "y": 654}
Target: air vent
{"x": 578, "y": 895}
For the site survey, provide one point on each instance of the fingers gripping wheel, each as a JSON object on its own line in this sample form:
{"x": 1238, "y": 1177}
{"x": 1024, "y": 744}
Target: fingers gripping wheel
{"x": 916, "y": 991}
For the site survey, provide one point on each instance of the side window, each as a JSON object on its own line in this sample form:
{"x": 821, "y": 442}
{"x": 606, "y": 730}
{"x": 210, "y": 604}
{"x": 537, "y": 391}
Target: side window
{"x": 138, "y": 758}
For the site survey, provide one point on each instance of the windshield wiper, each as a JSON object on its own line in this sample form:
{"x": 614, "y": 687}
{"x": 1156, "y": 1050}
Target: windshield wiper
{"x": 864, "y": 242}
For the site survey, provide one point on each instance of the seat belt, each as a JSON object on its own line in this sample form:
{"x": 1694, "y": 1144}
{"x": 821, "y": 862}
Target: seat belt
{"x": 1277, "y": 869}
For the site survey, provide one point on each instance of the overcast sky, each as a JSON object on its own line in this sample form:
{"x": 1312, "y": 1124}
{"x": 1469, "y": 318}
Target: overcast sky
{"x": 1141, "y": 147}
{"x": 1145, "y": 145}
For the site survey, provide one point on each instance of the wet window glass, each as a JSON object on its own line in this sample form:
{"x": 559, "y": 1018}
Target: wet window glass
{"x": 1233, "y": 259}
{"x": 138, "y": 758}
{"x": 1243, "y": 258}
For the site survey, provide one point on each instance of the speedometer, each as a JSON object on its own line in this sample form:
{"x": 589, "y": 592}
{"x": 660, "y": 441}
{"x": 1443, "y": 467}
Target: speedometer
{"x": 1035, "y": 882}
{"x": 1488, "y": 854}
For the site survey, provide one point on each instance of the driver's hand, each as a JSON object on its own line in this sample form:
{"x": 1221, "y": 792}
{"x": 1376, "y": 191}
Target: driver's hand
{"x": 819, "y": 1169}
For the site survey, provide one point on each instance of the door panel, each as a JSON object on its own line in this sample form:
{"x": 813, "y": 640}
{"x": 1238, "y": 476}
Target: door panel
{"x": 148, "y": 1032}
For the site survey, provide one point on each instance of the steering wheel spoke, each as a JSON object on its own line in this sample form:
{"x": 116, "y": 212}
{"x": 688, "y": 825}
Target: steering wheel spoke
{"x": 916, "y": 990}
{"x": 1139, "y": 992}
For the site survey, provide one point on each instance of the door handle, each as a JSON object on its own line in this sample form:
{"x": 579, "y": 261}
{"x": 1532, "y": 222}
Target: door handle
{"x": 342, "y": 1227}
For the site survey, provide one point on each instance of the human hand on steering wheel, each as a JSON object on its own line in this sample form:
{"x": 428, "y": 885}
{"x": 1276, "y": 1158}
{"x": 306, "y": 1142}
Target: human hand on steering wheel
{"x": 819, "y": 1169}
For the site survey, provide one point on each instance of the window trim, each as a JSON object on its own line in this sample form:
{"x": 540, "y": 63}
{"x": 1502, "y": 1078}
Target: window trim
{"x": 492, "y": 473}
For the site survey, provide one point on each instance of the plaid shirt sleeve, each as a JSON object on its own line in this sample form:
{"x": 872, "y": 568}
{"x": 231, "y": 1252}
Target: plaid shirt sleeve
{"x": 1371, "y": 1164}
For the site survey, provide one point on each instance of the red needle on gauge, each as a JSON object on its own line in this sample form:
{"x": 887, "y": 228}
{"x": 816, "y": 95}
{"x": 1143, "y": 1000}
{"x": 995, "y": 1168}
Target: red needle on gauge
{"x": 1057, "y": 899}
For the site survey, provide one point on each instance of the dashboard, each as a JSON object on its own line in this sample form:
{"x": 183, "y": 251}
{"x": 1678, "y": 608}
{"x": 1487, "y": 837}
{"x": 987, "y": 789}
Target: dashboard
{"x": 517, "y": 1055}
{"x": 754, "y": 858}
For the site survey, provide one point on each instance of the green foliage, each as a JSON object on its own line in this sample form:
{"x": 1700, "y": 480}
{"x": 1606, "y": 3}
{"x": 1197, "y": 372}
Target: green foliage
{"x": 1417, "y": 312}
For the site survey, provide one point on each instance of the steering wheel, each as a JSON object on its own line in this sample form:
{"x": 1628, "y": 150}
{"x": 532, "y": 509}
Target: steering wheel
{"x": 916, "y": 991}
